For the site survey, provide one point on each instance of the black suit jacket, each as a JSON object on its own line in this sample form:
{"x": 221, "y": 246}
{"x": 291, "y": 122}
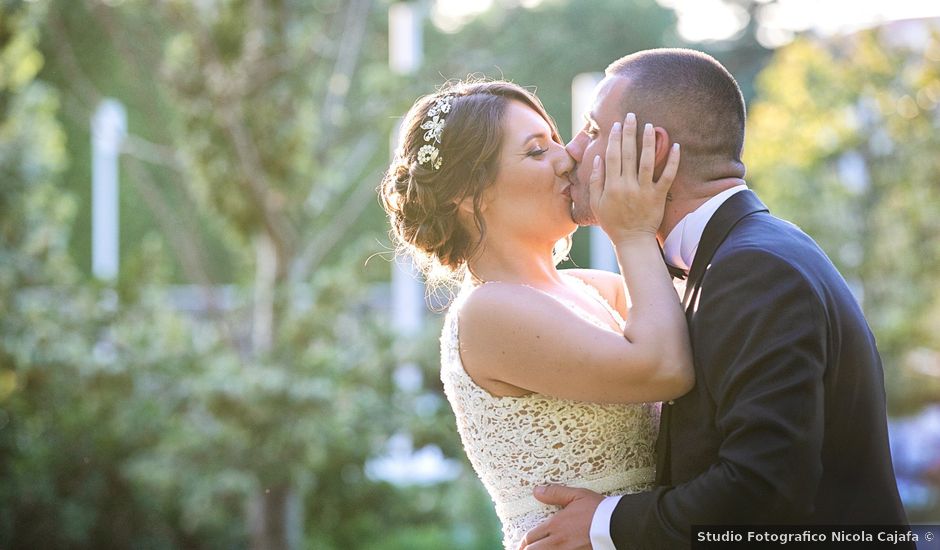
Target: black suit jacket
{"x": 787, "y": 422}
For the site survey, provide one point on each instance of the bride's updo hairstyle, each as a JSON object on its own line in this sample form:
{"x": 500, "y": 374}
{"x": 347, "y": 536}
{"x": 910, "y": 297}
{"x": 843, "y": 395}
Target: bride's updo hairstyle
{"x": 428, "y": 179}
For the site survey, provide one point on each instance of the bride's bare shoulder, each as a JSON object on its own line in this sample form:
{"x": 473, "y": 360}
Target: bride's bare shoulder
{"x": 498, "y": 299}
{"x": 501, "y": 330}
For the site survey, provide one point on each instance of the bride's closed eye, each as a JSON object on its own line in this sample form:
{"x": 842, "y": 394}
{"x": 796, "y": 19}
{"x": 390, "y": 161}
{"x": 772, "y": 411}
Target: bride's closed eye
{"x": 536, "y": 153}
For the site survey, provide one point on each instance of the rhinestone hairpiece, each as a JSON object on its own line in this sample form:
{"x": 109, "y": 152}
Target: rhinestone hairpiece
{"x": 429, "y": 153}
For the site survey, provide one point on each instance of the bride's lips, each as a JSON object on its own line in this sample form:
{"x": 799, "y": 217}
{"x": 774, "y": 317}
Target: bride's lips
{"x": 566, "y": 191}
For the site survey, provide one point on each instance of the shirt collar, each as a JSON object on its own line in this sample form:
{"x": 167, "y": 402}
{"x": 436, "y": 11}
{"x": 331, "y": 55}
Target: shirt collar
{"x": 681, "y": 244}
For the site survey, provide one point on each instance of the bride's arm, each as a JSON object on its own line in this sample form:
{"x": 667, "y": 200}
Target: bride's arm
{"x": 514, "y": 338}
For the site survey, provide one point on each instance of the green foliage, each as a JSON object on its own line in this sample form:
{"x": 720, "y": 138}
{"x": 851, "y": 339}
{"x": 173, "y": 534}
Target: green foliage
{"x": 126, "y": 422}
{"x": 843, "y": 142}
{"x": 59, "y": 455}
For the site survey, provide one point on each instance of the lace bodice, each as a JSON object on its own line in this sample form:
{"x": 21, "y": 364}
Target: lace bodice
{"x": 516, "y": 443}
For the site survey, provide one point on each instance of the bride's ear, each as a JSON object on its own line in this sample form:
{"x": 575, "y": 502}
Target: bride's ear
{"x": 465, "y": 206}
{"x": 465, "y": 216}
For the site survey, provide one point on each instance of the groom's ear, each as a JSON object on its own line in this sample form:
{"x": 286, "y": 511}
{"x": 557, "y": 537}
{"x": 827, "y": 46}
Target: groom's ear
{"x": 663, "y": 146}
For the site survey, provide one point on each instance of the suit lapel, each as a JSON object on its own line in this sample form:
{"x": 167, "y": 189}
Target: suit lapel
{"x": 737, "y": 207}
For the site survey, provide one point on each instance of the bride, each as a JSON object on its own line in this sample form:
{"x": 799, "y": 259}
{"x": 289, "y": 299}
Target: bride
{"x": 553, "y": 375}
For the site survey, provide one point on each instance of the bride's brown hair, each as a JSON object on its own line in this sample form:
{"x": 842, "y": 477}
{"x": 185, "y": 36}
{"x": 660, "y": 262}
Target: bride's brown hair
{"x": 422, "y": 202}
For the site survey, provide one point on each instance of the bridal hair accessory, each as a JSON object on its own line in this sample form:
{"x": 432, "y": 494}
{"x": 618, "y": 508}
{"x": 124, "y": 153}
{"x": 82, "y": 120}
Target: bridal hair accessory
{"x": 429, "y": 153}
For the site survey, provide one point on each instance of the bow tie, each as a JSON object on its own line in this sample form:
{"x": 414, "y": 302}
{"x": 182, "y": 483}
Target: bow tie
{"x": 677, "y": 272}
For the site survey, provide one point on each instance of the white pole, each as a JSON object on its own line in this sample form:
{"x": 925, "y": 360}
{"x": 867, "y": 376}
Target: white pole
{"x": 408, "y": 305}
{"x": 108, "y": 128}
{"x": 405, "y": 56}
{"x": 405, "y": 49}
{"x": 407, "y": 297}
{"x": 582, "y": 97}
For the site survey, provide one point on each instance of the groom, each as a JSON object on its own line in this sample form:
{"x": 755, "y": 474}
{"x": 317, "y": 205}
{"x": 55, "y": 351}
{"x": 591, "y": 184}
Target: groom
{"x": 786, "y": 423}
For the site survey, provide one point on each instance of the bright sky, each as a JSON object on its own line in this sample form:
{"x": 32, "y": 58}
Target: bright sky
{"x": 714, "y": 20}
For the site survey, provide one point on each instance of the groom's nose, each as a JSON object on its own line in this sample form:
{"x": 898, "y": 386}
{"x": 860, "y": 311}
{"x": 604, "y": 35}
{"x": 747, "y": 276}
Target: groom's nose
{"x": 577, "y": 146}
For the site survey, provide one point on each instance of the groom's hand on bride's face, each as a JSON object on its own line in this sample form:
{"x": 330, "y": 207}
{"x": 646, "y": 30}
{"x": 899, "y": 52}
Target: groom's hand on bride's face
{"x": 568, "y": 529}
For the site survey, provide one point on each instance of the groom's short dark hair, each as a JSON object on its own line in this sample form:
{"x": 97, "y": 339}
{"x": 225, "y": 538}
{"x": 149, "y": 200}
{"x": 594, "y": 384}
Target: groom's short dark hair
{"x": 692, "y": 96}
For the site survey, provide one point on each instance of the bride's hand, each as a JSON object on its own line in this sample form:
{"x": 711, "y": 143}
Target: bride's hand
{"x": 628, "y": 203}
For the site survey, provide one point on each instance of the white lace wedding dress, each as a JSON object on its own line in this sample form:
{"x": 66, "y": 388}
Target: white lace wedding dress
{"x": 516, "y": 443}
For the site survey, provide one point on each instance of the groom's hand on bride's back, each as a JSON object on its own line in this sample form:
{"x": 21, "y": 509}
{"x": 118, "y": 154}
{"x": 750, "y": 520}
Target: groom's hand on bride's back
{"x": 569, "y": 528}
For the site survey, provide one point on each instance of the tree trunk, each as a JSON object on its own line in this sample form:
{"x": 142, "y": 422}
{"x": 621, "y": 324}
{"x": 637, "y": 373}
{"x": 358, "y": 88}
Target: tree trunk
{"x": 266, "y": 272}
{"x": 273, "y": 519}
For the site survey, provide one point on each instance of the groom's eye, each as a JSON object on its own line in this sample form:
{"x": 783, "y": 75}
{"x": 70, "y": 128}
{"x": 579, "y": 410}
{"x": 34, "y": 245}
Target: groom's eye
{"x": 590, "y": 129}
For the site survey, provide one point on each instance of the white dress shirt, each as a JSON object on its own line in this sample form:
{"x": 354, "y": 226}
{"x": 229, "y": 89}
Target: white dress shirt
{"x": 679, "y": 250}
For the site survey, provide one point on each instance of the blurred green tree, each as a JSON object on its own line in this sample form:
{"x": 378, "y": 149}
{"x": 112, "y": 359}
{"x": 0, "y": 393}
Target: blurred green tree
{"x": 63, "y": 437}
{"x": 272, "y": 116}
